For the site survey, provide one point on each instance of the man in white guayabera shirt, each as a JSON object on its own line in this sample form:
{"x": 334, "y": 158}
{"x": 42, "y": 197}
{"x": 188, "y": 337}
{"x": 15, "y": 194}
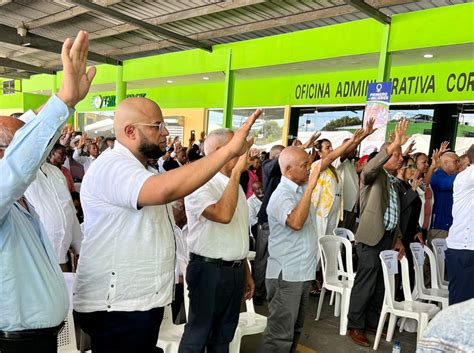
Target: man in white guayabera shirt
{"x": 125, "y": 274}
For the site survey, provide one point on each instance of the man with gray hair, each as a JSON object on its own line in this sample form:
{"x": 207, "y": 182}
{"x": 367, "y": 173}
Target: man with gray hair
{"x": 292, "y": 246}
{"x": 460, "y": 253}
{"x": 218, "y": 243}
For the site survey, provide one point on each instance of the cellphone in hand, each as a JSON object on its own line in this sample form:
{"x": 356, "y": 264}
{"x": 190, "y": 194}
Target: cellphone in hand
{"x": 193, "y": 135}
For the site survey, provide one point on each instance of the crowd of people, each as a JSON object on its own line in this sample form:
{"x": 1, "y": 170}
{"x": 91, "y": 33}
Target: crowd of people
{"x": 138, "y": 216}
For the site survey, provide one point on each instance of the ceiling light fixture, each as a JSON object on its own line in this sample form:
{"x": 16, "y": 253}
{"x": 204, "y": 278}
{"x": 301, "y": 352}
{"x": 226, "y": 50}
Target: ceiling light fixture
{"x": 428, "y": 56}
{"x": 205, "y": 78}
{"x": 169, "y": 81}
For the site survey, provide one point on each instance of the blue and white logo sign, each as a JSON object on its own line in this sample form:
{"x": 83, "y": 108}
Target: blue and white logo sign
{"x": 379, "y": 92}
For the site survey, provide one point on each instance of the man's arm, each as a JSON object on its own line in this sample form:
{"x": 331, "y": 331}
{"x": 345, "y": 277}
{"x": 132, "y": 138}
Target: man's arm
{"x": 179, "y": 182}
{"x": 331, "y": 157}
{"x": 297, "y": 218}
{"x": 78, "y": 158}
{"x": 32, "y": 143}
{"x": 223, "y": 210}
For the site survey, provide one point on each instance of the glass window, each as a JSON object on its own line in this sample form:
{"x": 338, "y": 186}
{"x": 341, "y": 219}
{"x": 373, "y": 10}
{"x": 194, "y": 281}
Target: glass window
{"x": 465, "y": 131}
{"x": 97, "y": 123}
{"x": 267, "y": 129}
{"x": 334, "y": 125}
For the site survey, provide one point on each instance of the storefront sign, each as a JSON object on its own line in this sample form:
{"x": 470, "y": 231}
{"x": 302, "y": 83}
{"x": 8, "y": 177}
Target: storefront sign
{"x": 462, "y": 82}
{"x": 377, "y": 108}
{"x": 100, "y": 101}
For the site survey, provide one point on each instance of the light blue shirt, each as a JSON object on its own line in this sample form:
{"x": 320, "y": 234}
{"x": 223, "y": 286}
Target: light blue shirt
{"x": 33, "y": 292}
{"x": 291, "y": 252}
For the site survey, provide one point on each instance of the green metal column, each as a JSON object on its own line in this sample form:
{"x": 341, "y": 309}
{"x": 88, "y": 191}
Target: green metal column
{"x": 229, "y": 93}
{"x": 385, "y": 58}
{"x": 120, "y": 86}
{"x": 54, "y": 84}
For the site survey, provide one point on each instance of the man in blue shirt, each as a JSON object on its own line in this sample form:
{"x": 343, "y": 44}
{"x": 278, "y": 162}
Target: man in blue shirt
{"x": 34, "y": 298}
{"x": 292, "y": 247}
{"x": 442, "y": 183}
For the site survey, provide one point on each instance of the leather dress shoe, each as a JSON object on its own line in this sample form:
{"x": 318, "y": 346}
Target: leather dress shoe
{"x": 358, "y": 337}
{"x": 373, "y": 331}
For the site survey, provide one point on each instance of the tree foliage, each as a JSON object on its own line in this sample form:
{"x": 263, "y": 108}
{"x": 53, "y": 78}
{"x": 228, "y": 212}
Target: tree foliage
{"x": 341, "y": 122}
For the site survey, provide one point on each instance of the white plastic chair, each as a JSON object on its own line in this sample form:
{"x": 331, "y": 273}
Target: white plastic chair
{"x": 421, "y": 312}
{"x": 250, "y": 323}
{"x": 170, "y": 334}
{"x": 440, "y": 246}
{"x": 67, "y": 335}
{"x": 345, "y": 233}
{"x": 330, "y": 247}
{"x": 434, "y": 293}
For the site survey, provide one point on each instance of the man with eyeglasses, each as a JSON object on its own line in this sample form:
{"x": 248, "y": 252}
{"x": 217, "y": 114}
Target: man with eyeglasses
{"x": 34, "y": 299}
{"x": 125, "y": 274}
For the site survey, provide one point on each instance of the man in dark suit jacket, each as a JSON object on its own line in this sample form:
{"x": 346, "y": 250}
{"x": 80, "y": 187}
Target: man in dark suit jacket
{"x": 378, "y": 230}
{"x": 176, "y": 159}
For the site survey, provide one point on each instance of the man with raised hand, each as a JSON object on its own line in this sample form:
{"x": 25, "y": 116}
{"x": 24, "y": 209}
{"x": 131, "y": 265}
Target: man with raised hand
{"x": 379, "y": 230}
{"x": 292, "y": 246}
{"x": 125, "y": 275}
{"x": 34, "y": 299}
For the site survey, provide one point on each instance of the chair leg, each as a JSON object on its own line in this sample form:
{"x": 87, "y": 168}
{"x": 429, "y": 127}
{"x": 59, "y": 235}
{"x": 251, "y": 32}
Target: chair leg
{"x": 234, "y": 345}
{"x": 346, "y": 297}
{"x": 402, "y": 324}
{"x": 337, "y": 305}
{"x": 321, "y": 300}
{"x": 422, "y": 324}
{"x": 331, "y": 300}
{"x": 391, "y": 327}
{"x": 380, "y": 327}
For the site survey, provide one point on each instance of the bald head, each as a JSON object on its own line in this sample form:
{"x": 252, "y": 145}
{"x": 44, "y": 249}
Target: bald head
{"x": 135, "y": 110}
{"x": 276, "y": 150}
{"x": 8, "y": 127}
{"x": 217, "y": 138}
{"x": 291, "y": 156}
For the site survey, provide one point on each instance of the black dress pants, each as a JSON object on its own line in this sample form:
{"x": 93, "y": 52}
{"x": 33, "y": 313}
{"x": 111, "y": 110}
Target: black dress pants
{"x": 122, "y": 331}
{"x": 215, "y": 295}
{"x": 368, "y": 291}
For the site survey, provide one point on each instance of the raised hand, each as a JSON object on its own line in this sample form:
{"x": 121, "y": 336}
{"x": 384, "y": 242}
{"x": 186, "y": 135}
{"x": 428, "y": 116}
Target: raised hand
{"x": 417, "y": 181}
{"x": 76, "y": 80}
{"x": 410, "y": 149}
{"x": 243, "y": 163}
{"x": 238, "y": 145}
{"x": 444, "y": 147}
{"x": 369, "y": 129}
{"x": 400, "y": 132}
{"x": 313, "y": 177}
{"x": 312, "y": 140}
{"x": 358, "y": 136}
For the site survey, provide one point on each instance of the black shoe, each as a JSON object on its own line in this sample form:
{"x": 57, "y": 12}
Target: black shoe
{"x": 258, "y": 301}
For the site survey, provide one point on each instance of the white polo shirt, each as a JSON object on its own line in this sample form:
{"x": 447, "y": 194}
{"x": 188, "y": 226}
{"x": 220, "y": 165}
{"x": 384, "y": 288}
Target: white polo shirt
{"x": 211, "y": 239}
{"x": 128, "y": 254}
{"x": 461, "y": 233}
{"x": 50, "y": 196}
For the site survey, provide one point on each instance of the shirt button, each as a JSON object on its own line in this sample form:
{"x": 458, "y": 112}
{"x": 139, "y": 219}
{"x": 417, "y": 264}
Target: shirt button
{"x": 113, "y": 273}
{"x": 112, "y": 286}
{"x": 156, "y": 292}
{"x": 108, "y": 306}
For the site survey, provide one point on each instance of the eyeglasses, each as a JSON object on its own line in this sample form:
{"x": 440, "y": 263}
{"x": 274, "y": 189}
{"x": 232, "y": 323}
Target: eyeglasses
{"x": 161, "y": 126}
{"x": 3, "y": 147}
{"x": 411, "y": 166}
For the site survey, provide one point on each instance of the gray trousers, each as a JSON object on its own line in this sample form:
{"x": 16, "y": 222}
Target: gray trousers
{"x": 287, "y": 306}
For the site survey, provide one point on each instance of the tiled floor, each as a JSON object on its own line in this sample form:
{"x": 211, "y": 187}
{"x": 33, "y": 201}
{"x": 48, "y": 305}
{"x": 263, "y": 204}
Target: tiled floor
{"x": 323, "y": 336}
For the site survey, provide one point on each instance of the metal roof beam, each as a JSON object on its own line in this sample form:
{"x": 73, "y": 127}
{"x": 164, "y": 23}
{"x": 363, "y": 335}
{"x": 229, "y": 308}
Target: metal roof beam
{"x": 369, "y": 11}
{"x": 11, "y": 36}
{"x": 194, "y": 12}
{"x": 64, "y": 15}
{"x": 258, "y": 26}
{"x": 24, "y": 67}
{"x": 145, "y": 25}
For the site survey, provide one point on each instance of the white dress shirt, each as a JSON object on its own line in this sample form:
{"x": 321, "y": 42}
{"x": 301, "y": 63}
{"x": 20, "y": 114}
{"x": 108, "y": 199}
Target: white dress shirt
{"x": 229, "y": 242}
{"x": 350, "y": 184}
{"x": 254, "y": 206}
{"x": 461, "y": 233}
{"x": 86, "y": 161}
{"x": 128, "y": 254}
{"x": 50, "y": 196}
{"x": 182, "y": 255}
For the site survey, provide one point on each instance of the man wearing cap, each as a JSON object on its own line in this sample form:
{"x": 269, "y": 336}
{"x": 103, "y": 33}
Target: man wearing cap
{"x": 34, "y": 299}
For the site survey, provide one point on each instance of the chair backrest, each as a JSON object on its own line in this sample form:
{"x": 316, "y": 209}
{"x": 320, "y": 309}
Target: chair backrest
{"x": 389, "y": 260}
{"x": 440, "y": 246}
{"x": 344, "y": 232}
{"x": 418, "y": 254}
{"x": 67, "y": 336}
{"x": 330, "y": 251}
{"x": 433, "y": 267}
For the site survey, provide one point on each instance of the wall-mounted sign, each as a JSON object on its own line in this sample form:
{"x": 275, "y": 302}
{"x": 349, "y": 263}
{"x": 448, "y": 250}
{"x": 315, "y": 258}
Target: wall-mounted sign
{"x": 100, "y": 101}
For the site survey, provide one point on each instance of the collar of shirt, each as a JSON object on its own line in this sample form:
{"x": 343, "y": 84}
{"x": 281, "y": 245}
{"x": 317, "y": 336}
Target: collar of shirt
{"x": 391, "y": 178}
{"x": 297, "y": 189}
